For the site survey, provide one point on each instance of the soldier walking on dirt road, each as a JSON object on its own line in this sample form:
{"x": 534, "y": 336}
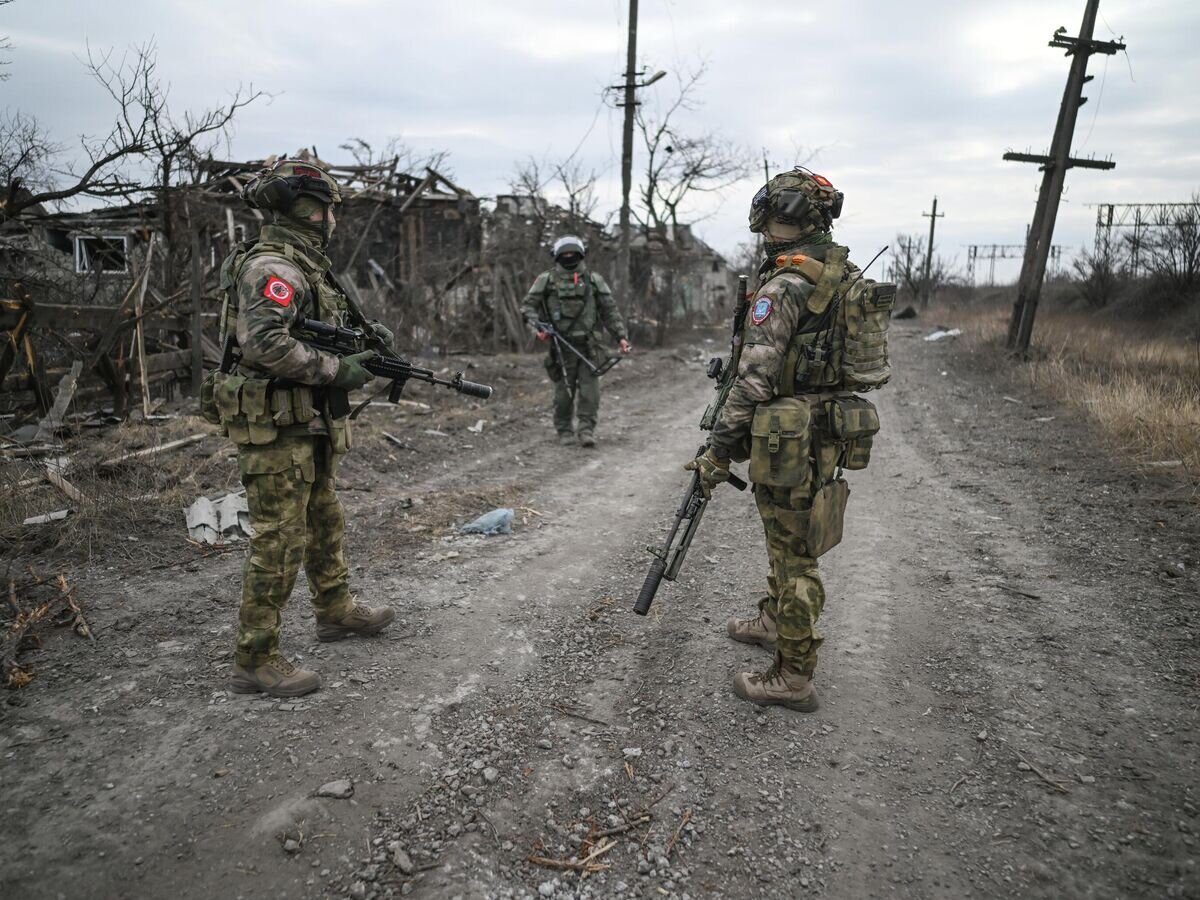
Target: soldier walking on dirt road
{"x": 275, "y": 403}
{"x": 815, "y": 334}
{"x": 573, "y": 301}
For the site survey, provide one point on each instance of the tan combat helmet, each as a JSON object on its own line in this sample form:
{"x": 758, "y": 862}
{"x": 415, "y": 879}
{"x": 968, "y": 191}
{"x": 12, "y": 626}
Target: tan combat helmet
{"x": 278, "y": 187}
{"x": 799, "y": 198}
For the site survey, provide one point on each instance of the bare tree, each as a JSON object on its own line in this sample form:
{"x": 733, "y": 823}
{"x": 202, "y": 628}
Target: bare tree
{"x": 146, "y": 148}
{"x": 678, "y": 166}
{"x": 5, "y": 47}
{"x": 579, "y": 189}
{"x": 1097, "y": 279}
{"x": 406, "y": 157}
{"x": 908, "y": 268}
{"x": 1171, "y": 248}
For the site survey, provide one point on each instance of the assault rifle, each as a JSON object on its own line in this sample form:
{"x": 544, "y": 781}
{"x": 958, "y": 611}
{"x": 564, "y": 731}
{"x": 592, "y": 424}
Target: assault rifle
{"x": 385, "y": 363}
{"x": 669, "y": 559}
{"x": 561, "y": 343}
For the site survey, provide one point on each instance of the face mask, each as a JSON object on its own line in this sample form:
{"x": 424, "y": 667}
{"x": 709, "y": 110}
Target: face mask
{"x": 318, "y": 233}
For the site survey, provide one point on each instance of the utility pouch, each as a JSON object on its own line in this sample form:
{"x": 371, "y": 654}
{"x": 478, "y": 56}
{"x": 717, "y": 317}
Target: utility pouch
{"x": 339, "y": 436}
{"x": 858, "y": 453}
{"x": 853, "y": 421}
{"x": 208, "y": 398}
{"x": 850, "y": 418}
{"x": 825, "y": 519}
{"x": 227, "y": 391}
{"x": 256, "y": 408}
{"x": 780, "y": 440}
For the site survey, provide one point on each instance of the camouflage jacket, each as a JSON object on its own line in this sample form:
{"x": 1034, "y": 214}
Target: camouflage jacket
{"x": 575, "y": 301}
{"x": 777, "y": 312}
{"x": 279, "y": 281}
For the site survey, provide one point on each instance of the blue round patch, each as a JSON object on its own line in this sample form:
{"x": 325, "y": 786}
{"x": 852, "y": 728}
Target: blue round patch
{"x": 762, "y": 309}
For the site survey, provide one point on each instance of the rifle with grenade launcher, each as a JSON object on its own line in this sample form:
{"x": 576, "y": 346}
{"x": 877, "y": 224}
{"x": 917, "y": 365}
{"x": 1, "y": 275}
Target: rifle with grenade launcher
{"x": 668, "y": 559}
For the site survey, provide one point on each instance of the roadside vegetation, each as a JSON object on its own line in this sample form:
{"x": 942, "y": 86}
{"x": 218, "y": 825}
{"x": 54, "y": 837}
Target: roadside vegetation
{"x": 1135, "y": 376}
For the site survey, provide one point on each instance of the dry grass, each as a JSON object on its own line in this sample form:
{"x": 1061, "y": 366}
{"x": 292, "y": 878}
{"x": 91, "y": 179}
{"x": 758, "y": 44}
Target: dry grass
{"x": 133, "y": 512}
{"x": 1138, "y": 384}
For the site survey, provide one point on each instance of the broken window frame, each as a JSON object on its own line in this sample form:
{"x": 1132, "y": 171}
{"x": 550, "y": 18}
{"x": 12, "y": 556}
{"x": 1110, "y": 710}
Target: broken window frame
{"x": 84, "y": 260}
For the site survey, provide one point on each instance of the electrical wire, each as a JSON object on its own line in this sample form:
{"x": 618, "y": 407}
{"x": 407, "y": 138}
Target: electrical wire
{"x": 1099, "y": 100}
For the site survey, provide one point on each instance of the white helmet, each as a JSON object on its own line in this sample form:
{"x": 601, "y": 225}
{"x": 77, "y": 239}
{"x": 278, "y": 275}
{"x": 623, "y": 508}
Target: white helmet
{"x": 568, "y": 243}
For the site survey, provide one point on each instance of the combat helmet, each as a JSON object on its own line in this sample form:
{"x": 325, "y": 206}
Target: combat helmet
{"x": 278, "y": 187}
{"x": 568, "y": 243}
{"x": 798, "y": 197}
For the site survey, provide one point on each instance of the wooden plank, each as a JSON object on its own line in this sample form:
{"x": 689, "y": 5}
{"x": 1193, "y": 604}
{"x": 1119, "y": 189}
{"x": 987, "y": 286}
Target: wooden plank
{"x": 54, "y": 419}
{"x": 151, "y": 451}
{"x": 140, "y": 335}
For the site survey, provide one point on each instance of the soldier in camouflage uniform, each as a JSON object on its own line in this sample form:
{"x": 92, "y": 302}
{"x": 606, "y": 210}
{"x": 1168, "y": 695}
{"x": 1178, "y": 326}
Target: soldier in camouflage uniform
{"x": 575, "y": 301}
{"x": 274, "y": 404}
{"x": 794, "y": 212}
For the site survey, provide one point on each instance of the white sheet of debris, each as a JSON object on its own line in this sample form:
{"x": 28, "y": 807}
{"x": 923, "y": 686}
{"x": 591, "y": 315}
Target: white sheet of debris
{"x": 215, "y": 521}
{"x": 942, "y": 333}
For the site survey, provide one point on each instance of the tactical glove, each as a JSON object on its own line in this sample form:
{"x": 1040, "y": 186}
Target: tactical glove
{"x": 383, "y": 333}
{"x": 712, "y": 471}
{"x": 350, "y": 374}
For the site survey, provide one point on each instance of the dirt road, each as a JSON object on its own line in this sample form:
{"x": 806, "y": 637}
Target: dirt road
{"x": 1009, "y": 680}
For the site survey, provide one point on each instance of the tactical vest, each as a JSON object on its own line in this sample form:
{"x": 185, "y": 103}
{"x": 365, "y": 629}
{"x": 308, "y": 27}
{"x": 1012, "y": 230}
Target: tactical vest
{"x": 569, "y": 301}
{"x": 841, "y": 341}
{"x": 251, "y": 406}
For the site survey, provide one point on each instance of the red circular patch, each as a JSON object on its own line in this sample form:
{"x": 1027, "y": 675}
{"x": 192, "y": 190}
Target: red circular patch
{"x": 278, "y": 290}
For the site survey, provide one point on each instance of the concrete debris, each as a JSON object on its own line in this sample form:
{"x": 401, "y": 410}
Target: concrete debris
{"x": 342, "y": 789}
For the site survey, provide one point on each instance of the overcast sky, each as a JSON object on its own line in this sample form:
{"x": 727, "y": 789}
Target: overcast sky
{"x": 899, "y": 101}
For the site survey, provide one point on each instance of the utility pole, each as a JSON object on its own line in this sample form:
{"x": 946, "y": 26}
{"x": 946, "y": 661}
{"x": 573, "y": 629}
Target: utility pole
{"x": 926, "y": 287}
{"x": 1054, "y": 167}
{"x": 627, "y": 154}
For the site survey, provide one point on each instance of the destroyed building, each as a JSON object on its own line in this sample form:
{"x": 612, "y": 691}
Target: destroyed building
{"x": 132, "y": 291}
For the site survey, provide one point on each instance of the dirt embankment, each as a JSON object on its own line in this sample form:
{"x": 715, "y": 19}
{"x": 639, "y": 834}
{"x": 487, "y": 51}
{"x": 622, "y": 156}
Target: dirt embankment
{"x": 1008, "y": 682}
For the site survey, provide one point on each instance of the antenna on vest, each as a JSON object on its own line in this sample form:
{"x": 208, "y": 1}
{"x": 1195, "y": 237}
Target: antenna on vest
{"x": 863, "y": 271}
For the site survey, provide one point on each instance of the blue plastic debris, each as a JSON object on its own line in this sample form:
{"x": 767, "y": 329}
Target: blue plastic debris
{"x": 498, "y": 521}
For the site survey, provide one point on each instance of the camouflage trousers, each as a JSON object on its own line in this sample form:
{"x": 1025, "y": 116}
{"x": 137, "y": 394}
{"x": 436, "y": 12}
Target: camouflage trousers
{"x": 297, "y": 518}
{"x": 796, "y": 593}
{"x": 584, "y": 401}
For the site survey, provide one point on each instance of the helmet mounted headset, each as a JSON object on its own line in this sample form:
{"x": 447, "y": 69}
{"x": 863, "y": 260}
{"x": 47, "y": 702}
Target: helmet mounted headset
{"x": 800, "y": 197}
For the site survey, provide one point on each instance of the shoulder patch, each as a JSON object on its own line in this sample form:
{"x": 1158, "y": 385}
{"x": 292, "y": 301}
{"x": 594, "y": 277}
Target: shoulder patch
{"x": 762, "y": 309}
{"x": 278, "y": 290}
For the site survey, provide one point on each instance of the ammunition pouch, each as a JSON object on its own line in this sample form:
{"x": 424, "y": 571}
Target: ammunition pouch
{"x": 780, "y": 441}
{"x": 827, "y": 516}
{"x": 853, "y": 421}
{"x": 253, "y": 410}
{"x": 208, "y": 399}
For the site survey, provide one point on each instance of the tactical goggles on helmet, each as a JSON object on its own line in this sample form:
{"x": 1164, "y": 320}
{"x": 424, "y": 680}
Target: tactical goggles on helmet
{"x": 278, "y": 191}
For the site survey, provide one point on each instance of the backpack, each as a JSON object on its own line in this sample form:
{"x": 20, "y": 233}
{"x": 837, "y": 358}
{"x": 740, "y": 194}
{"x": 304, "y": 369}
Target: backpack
{"x": 842, "y": 342}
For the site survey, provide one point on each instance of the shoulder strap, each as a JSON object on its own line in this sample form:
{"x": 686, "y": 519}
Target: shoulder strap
{"x": 831, "y": 278}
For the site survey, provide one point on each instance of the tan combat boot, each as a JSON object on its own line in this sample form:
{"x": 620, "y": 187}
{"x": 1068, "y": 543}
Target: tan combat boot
{"x": 566, "y": 439}
{"x": 361, "y": 620}
{"x": 758, "y": 630}
{"x": 275, "y": 676}
{"x": 780, "y": 685}
{"x": 587, "y": 439}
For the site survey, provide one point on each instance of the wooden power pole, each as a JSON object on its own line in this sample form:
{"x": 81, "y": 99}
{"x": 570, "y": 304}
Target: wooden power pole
{"x": 630, "y": 104}
{"x": 926, "y": 284}
{"x": 1054, "y": 167}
